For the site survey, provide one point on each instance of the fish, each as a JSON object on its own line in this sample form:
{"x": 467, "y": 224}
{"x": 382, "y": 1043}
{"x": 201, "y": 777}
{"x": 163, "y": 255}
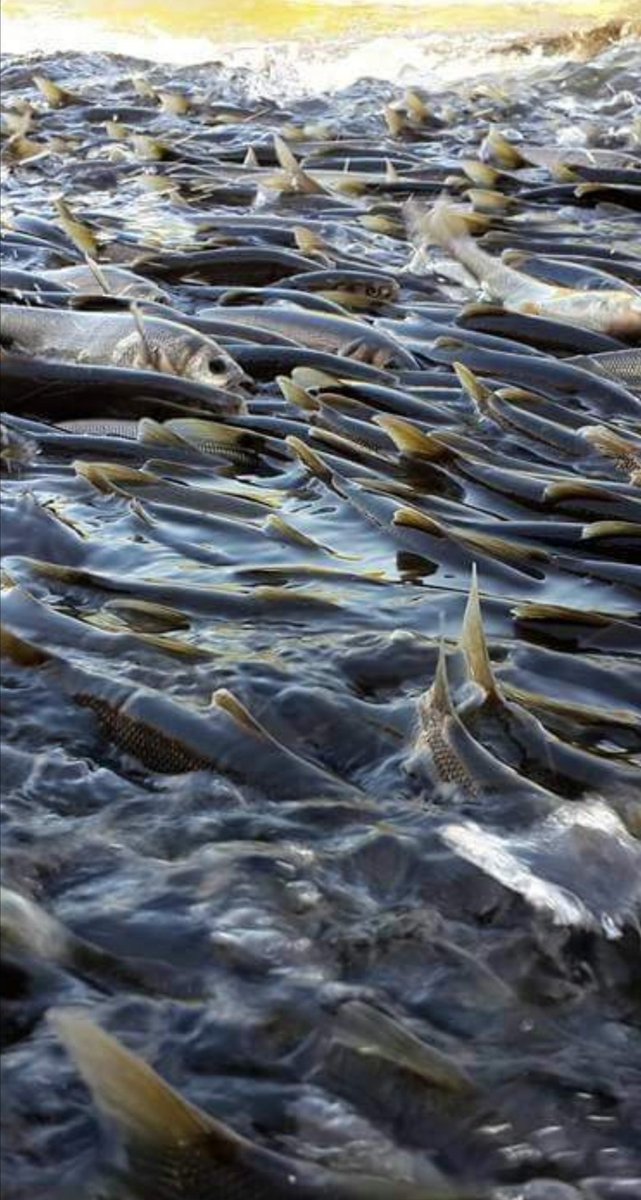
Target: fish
{"x": 29, "y": 930}
{"x": 119, "y": 340}
{"x": 617, "y": 313}
{"x": 105, "y": 280}
{"x": 56, "y": 391}
{"x": 172, "y": 738}
{"x": 623, "y": 366}
{"x": 176, "y": 1149}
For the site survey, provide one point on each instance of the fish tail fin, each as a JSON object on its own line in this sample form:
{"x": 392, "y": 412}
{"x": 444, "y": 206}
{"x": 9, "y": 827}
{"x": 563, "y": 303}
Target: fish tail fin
{"x": 145, "y": 1109}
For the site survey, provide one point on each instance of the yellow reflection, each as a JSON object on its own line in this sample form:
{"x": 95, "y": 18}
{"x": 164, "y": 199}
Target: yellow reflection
{"x": 245, "y": 21}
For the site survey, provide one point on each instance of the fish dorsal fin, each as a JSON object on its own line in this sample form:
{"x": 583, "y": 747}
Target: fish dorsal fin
{"x": 155, "y": 433}
{"x": 415, "y": 105}
{"x": 24, "y": 653}
{"x": 98, "y": 274}
{"x": 478, "y": 393}
{"x": 438, "y": 697}
{"x": 55, "y": 95}
{"x": 230, "y": 704}
{"x": 481, "y": 174}
{"x": 308, "y": 241}
{"x": 76, "y": 231}
{"x": 394, "y": 119}
{"x": 309, "y": 459}
{"x": 140, "y": 330}
{"x": 250, "y": 159}
{"x": 145, "y": 1109}
{"x": 473, "y": 642}
{"x": 296, "y": 395}
{"x": 409, "y": 438}
{"x": 290, "y": 164}
{"x": 497, "y": 150}
{"x": 391, "y": 174}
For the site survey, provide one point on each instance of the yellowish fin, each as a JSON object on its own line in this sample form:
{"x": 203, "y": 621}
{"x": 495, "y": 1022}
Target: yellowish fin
{"x": 309, "y": 458}
{"x": 371, "y": 1032}
{"x": 378, "y": 223}
{"x": 146, "y": 148}
{"x": 154, "y": 433}
{"x": 21, "y": 652}
{"x": 113, "y": 477}
{"x": 145, "y": 1109}
{"x": 281, "y": 529}
{"x": 308, "y": 242}
{"x": 176, "y": 103}
{"x": 142, "y": 87}
{"x": 301, "y": 181}
{"x": 413, "y": 518}
{"x": 395, "y": 120}
{"x": 496, "y": 149}
{"x": 485, "y": 200}
{"x": 222, "y": 698}
{"x": 145, "y": 616}
{"x": 473, "y": 642}
{"x": 80, "y": 234}
{"x": 479, "y": 394}
{"x": 408, "y": 438}
{"x": 116, "y": 130}
{"x": 296, "y": 395}
{"x": 56, "y": 96}
{"x": 481, "y": 174}
{"x": 608, "y": 529}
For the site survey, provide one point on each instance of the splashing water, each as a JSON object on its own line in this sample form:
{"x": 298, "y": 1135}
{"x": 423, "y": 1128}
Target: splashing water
{"x": 311, "y": 46}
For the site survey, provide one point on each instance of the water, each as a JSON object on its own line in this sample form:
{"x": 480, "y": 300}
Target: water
{"x": 232, "y": 796}
{"x": 302, "y": 45}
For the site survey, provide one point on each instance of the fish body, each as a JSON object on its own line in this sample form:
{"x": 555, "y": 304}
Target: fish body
{"x": 116, "y": 339}
{"x": 622, "y": 366}
{"x": 322, "y": 331}
{"x": 105, "y": 280}
{"x": 613, "y": 312}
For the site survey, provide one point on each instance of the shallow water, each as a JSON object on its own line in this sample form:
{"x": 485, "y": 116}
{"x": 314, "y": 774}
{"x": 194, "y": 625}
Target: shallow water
{"x": 478, "y": 877}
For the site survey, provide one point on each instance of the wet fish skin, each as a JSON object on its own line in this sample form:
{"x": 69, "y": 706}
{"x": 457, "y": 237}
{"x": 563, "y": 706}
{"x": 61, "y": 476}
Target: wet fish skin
{"x": 37, "y": 387}
{"x": 105, "y": 280}
{"x": 322, "y": 331}
{"x": 615, "y": 312}
{"x": 113, "y": 339}
{"x": 622, "y": 366}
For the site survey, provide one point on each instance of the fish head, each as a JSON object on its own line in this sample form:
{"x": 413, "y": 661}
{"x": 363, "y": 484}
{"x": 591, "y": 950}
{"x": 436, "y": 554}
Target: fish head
{"x": 177, "y": 350}
{"x": 204, "y": 361}
{"x": 617, "y": 313}
{"x": 625, "y": 319}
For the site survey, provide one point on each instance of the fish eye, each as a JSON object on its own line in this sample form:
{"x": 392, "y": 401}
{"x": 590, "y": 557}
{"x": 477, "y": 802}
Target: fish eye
{"x": 217, "y": 364}
{"x": 372, "y": 290}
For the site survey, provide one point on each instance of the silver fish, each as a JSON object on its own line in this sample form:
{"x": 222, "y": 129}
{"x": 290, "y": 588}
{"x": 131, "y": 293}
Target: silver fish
{"x": 119, "y": 339}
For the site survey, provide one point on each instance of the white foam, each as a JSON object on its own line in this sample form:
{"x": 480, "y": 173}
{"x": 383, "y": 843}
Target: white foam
{"x": 285, "y": 70}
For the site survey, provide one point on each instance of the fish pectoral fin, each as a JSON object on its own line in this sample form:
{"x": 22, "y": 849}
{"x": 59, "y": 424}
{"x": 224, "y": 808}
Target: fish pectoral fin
{"x": 145, "y": 1109}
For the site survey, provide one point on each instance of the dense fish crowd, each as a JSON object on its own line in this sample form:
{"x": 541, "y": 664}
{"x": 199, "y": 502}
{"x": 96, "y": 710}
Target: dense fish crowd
{"x": 321, "y": 454}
